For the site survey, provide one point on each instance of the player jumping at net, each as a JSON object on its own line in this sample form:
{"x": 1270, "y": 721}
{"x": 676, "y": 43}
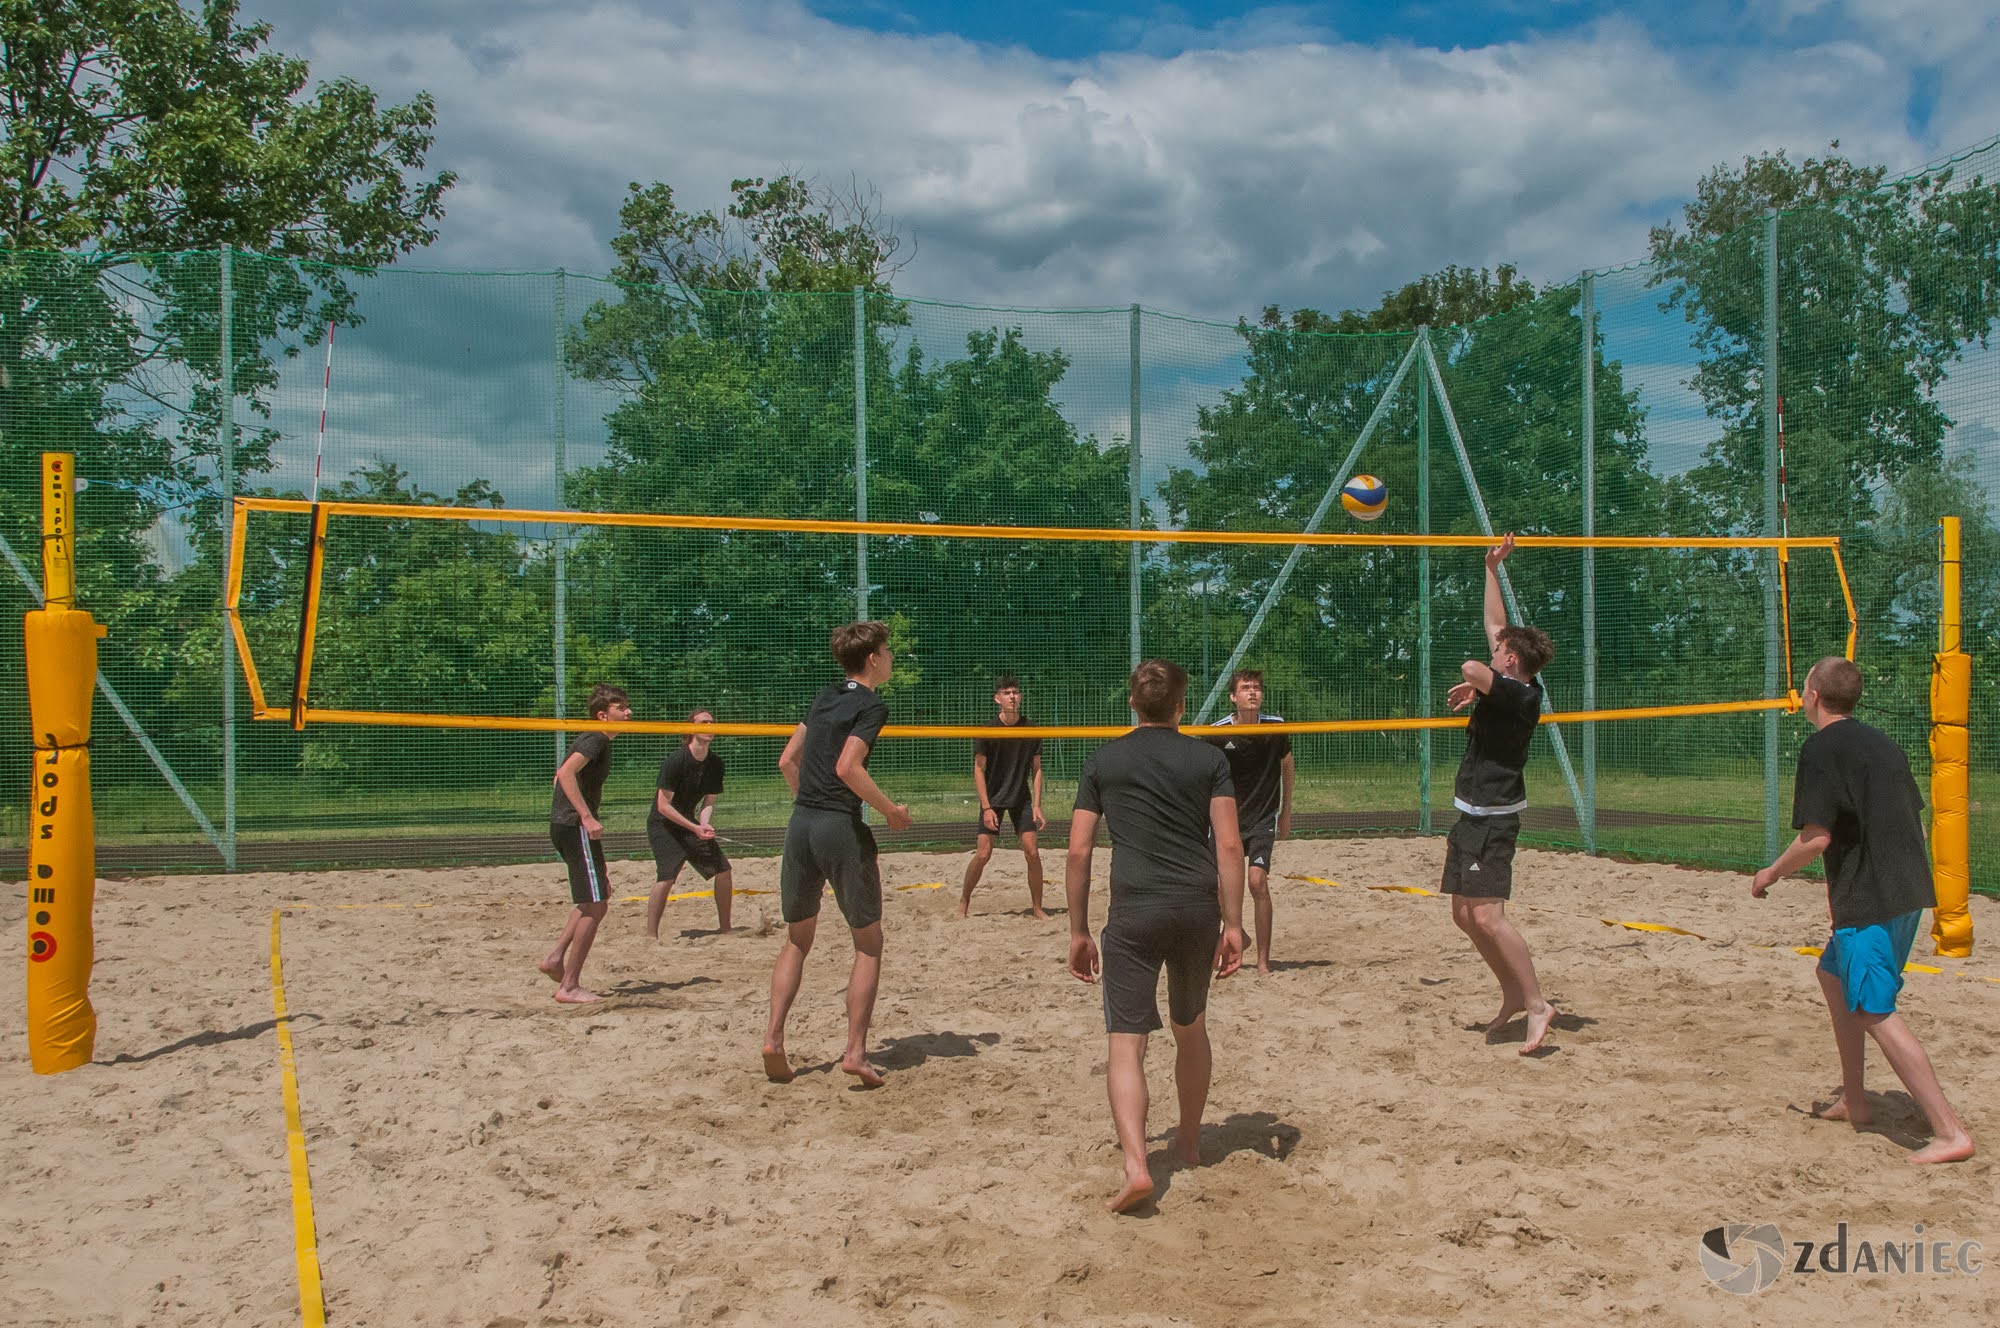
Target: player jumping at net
{"x": 1855, "y": 801}
{"x": 579, "y": 837}
{"x": 1263, "y": 772}
{"x": 1176, "y": 902}
{"x": 826, "y": 763}
{"x": 1007, "y": 775}
{"x": 678, "y": 826}
{"x": 1490, "y": 794}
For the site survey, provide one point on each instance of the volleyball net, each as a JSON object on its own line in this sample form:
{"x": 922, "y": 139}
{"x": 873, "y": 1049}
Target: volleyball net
{"x": 1662, "y": 640}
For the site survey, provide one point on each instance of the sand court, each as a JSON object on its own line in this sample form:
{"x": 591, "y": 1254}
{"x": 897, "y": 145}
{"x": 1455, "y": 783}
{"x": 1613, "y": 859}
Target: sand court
{"x": 480, "y": 1155}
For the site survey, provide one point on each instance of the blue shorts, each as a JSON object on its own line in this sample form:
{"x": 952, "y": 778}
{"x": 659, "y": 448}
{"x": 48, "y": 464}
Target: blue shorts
{"x": 1869, "y": 961}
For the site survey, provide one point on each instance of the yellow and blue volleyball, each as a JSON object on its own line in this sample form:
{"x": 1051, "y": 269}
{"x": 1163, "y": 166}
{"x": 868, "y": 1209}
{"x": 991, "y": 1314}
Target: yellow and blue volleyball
{"x": 1364, "y": 497}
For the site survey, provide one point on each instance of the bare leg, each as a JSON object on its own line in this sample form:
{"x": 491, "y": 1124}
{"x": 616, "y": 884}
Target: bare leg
{"x": 725, "y": 898}
{"x": 1515, "y": 963}
{"x": 1906, "y": 1056}
{"x": 981, "y": 855}
{"x": 862, "y": 981}
{"x": 1033, "y": 853}
{"x": 552, "y": 964}
{"x": 1852, "y": 1102}
{"x": 1194, "y": 1063}
{"x": 1125, "y": 1081}
{"x": 1465, "y": 915}
{"x": 1259, "y": 881}
{"x": 785, "y": 978}
{"x": 656, "y": 905}
{"x": 567, "y": 991}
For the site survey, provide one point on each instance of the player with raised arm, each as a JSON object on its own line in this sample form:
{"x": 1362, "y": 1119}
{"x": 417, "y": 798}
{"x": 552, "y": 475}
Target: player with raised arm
{"x": 1490, "y": 793}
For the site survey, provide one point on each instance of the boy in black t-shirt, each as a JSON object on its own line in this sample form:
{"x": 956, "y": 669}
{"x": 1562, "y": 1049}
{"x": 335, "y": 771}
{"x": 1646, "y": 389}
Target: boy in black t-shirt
{"x": 677, "y": 827}
{"x": 1261, "y": 768}
{"x": 1007, "y": 774}
{"x": 826, "y": 763}
{"x": 1490, "y": 793}
{"x": 579, "y": 838}
{"x": 1855, "y": 801}
{"x": 1176, "y": 902}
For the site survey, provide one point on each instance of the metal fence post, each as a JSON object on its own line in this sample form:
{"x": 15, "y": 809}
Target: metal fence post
{"x": 1771, "y": 626}
{"x": 1138, "y": 501}
{"x": 1425, "y": 704}
{"x": 1587, "y": 317}
{"x": 559, "y": 628}
{"x": 226, "y": 440}
{"x": 860, "y": 451}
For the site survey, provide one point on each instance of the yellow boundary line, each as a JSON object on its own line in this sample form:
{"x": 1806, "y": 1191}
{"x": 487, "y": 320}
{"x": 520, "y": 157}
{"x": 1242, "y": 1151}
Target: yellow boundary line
{"x": 1810, "y": 951}
{"x": 312, "y": 1297}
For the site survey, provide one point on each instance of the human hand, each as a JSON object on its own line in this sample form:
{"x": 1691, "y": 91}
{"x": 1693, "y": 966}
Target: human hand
{"x": 705, "y": 830}
{"x": 1461, "y": 696}
{"x": 1498, "y": 553}
{"x": 592, "y": 826}
{"x": 989, "y": 820}
{"x": 1083, "y": 965}
{"x": 1228, "y": 951}
{"x": 899, "y": 817}
{"x": 1763, "y": 881}
{"x": 1040, "y": 820}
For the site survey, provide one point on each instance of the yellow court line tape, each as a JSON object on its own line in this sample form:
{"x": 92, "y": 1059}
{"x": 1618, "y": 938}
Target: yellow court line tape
{"x": 312, "y": 1300}
{"x": 1652, "y": 926}
{"x": 926, "y": 885}
{"x": 1315, "y": 880}
{"x": 1403, "y": 889}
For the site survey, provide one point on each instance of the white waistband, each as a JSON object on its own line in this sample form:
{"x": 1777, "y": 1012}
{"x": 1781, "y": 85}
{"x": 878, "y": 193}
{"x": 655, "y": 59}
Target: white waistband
{"x": 1508, "y": 810}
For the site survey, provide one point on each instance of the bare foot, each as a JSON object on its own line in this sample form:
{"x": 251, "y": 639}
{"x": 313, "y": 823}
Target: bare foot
{"x": 869, "y": 1076}
{"x": 551, "y": 968}
{"x": 1538, "y": 1026}
{"x": 1954, "y": 1149}
{"x": 776, "y": 1068}
{"x": 1041, "y": 915}
{"x": 1265, "y": 970}
{"x": 960, "y": 915}
{"x": 1499, "y": 1021}
{"x": 576, "y": 996}
{"x": 1186, "y": 1148}
{"x": 1839, "y": 1110}
{"x": 1138, "y": 1189}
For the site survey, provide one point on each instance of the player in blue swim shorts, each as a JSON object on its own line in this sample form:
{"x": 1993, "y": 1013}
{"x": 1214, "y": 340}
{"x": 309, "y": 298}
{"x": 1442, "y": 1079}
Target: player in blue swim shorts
{"x": 1855, "y": 801}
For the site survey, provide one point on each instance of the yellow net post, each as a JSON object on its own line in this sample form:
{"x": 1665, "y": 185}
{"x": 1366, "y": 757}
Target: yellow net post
{"x": 1951, "y": 712}
{"x": 62, "y": 860}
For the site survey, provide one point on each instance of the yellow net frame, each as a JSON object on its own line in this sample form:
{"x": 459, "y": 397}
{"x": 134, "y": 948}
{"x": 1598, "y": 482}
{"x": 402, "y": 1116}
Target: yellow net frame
{"x": 300, "y": 713}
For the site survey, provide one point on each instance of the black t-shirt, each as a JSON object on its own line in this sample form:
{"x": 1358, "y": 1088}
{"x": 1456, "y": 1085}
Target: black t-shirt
{"x": 1153, "y": 787}
{"x": 686, "y": 782}
{"x": 1496, "y": 748}
{"x": 1856, "y": 781}
{"x": 842, "y": 710}
{"x": 1010, "y": 767}
{"x": 1257, "y": 768}
{"x": 596, "y": 747}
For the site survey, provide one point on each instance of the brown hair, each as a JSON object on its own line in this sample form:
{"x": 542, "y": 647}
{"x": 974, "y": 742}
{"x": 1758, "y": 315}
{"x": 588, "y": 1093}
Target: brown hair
{"x": 603, "y": 697}
{"x": 1245, "y": 675}
{"x": 854, "y": 643}
{"x": 687, "y": 739}
{"x": 1006, "y": 682}
{"x": 1531, "y": 645}
{"x": 1158, "y": 688}
{"x": 1838, "y": 683}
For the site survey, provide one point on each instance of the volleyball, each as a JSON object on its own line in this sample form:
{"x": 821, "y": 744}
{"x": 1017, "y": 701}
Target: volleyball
{"x": 1364, "y": 497}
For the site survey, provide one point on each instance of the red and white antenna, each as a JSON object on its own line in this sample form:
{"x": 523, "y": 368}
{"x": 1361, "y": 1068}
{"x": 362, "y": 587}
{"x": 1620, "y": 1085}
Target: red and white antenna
{"x": 326, "y": 386}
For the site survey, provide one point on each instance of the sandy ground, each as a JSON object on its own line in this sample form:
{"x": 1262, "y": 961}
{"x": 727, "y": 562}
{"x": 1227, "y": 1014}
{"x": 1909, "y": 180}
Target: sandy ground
{"x": 482, "y": 1156}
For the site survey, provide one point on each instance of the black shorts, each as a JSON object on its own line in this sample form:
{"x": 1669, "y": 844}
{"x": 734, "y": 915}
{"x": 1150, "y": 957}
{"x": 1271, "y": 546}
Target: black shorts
{"x": 1022, "y": 813}
{"x": 824, "y": 847}
{"x": 1135, "y": 947}
{"x": 1258, "y": 843}
{"x": 589, "y": 882}
{"x": 673, "y": 846}
{"x": 1479, "y": 856}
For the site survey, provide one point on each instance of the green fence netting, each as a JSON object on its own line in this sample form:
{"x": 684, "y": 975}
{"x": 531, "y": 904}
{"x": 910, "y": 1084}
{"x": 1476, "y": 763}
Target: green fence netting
{"x": 1629, "y": 402}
